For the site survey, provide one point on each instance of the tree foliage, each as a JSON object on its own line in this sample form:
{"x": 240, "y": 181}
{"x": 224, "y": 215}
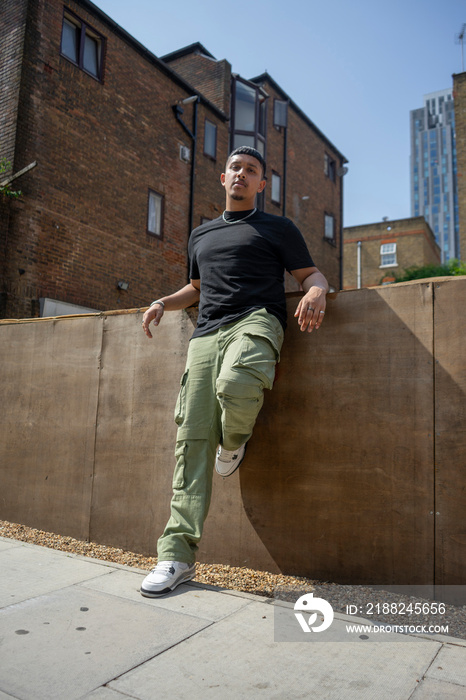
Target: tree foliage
{"x": 452, "y": 268}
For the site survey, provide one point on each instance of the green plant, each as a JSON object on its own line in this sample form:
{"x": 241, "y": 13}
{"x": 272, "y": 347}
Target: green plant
{"x": 452, "y": 268}
{"x": 5, "y": 189}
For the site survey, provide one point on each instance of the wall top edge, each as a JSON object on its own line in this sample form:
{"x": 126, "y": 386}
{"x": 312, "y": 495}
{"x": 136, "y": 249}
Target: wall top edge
{"x": 289, "y": 295}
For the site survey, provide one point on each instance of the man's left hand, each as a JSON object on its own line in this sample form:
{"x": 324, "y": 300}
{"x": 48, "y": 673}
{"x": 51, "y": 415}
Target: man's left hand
{"x": 311, "y": 309}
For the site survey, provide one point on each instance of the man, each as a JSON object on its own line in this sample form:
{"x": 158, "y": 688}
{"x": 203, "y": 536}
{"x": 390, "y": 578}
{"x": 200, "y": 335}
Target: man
{"x": 237, "y": 265}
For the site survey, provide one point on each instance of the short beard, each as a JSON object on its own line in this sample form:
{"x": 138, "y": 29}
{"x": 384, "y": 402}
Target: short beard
{"x": 238, "y": 197}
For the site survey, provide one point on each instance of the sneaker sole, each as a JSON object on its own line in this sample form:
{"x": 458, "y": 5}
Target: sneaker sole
{"x": 156, "y": 594}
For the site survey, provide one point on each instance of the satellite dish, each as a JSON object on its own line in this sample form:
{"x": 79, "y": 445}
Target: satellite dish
{"x": 342, "y": 171}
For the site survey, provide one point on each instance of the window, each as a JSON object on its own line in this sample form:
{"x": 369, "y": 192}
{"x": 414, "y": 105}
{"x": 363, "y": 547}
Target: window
{"x": 329, "y": 167}
{"x": 388, "y": 255}
{"x": 280, "y": 113}
{"x": 276, "y": 188}
{"x": 55, "y": 307}
{"x": 210, "y": 139}
{"x": 329, "y": 228}
{"x": 155, "y": 213}
{"x": 82, "y": 45}
{"x": 249, "y": 118}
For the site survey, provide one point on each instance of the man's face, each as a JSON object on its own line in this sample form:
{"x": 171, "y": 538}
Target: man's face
{"x": 242, "y": 178}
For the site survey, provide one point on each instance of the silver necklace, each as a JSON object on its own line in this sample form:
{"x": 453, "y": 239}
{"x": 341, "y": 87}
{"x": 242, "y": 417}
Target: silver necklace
{"x": 236, "y": 221}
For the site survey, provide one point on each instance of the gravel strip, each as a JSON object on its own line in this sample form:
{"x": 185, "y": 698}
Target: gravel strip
{"x": 260, "y": 582}
{"x": 233, "y": 577}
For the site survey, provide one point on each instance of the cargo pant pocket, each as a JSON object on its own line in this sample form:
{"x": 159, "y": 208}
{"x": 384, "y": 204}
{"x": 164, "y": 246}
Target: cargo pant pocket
{"x": 179, "y": 480}
{"x": 195, "y": 409}
{"x": 193, "y": 468}
{"x": 180, "y": 407}
{"x": 257, "y": 357}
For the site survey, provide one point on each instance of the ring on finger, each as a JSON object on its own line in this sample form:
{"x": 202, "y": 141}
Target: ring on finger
{"x": 309, "y": 308}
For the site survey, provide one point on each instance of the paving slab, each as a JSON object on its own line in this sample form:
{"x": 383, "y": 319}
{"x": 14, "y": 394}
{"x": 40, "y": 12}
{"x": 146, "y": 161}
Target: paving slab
{"x": 187, "y": 598}
{"x": 7, "y": 544}
{"x": 431, "y": 689}
{"x": 238, "y": 657}
{"x": 450, "y": 665}
{"x": 74, "y": 628}
{"x": 69, "y": 642}
{"x": 103, "y": 694}
{"x": 30, "y": 570}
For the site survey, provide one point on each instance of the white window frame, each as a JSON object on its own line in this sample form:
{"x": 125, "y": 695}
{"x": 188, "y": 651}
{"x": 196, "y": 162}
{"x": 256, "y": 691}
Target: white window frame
{"x": 388, "y": 255}
{"x": 329, "y": 227}
{"x": 276, "y": 189}
{"x": 155, "y": 214}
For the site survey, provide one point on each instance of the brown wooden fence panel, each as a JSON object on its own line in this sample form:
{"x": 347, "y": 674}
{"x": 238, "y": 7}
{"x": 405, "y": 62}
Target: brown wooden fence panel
{"x": 338, "y": 479}
{"x": 450, "y": 431}
{"x": 49, "y": 383}
{"x": 339, "y": 482}
{"x": 139, "y": 383}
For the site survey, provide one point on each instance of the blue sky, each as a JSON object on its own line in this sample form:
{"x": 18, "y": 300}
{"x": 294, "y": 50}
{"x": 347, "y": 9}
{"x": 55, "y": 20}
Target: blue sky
{"x": 356, "y": 68}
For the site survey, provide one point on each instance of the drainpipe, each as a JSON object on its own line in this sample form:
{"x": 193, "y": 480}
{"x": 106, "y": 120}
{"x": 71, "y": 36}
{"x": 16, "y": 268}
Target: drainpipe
{"x": 341, "y": 233}
{"x": 285, "y": 142}
{"x": 359, "y": 264}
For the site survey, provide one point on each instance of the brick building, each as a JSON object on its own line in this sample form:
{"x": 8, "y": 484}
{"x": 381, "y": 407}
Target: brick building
{"x": 375, "y": 253}
{"x": 459, "y": 95}
{"x": 129, "y": 150}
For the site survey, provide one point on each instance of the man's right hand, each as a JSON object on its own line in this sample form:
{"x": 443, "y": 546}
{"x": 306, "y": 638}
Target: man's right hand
{"x": 153, "y": 313}
{"x": 187, "y": 296}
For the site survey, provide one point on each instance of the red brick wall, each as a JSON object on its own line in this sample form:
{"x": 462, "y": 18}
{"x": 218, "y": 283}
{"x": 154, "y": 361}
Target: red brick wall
{"x": 415, "y": 245}
{"x": 80, "y": 226}
{"x": 305, "y": 178}
{"x": 12, "y": 27}
{"x": 210, "y": 77}
{"x": 81, "y": 223}
{"x": 209, "y": 195}
{"x": 305, "y": 166}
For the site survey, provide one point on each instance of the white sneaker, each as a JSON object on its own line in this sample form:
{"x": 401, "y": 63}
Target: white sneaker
{"x": 165, "y": 577}
{"x": 228, "y": 461}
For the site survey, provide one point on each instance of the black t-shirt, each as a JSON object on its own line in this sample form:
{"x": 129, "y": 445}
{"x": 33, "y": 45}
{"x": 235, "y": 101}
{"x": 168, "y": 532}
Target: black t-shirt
{"x": 241, "y": 266}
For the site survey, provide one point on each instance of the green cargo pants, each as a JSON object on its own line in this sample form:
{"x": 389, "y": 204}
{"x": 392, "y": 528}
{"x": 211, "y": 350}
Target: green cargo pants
{"x": 220, "y": 397}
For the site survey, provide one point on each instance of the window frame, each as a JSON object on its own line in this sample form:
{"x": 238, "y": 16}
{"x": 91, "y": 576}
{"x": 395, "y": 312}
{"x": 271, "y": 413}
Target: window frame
{"x": 206, "y": 153}
{"x": 272, "y": 199}
{"x": 280, "y": 109}
{"x": 84, "y": 30}
{"x": 333, "y": 238}
{"x": 330, "y": 167}
{"x": 259, "y": 134}
{"x": 387, "y": 253}
{"x": 161, "y": 198}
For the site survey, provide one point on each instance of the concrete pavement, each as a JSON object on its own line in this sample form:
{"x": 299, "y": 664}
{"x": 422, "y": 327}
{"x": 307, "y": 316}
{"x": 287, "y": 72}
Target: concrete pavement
{"x": 73, "y": 627}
